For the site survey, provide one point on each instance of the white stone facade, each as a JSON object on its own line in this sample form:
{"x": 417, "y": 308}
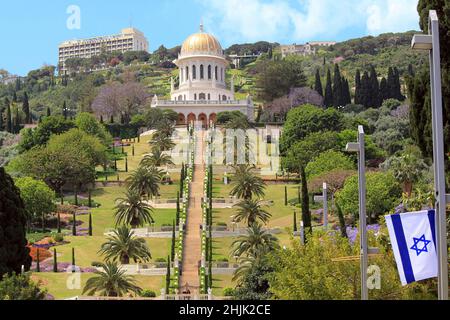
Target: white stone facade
{"x": 202, "y": 91}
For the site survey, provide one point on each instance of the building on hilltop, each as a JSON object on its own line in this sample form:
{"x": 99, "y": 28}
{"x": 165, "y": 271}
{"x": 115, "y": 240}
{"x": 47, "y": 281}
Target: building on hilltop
{"x": 202, "y": 92}
{"x": 310, "y": 48}
{"x": 130, "y": 39}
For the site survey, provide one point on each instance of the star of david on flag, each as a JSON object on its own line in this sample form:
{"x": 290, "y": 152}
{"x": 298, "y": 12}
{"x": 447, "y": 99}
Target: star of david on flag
{"x": 413, "y": 239}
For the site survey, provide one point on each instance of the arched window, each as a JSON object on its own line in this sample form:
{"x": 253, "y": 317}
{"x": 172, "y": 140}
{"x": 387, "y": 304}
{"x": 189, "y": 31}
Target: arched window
{"x": 217, "y": 73}
{"x": 202, "y": 96}
{"x": 209, "y": 96}
{"x": 194, "y": 72}
{"x": 224, "y": 98}
{"x": 202, "y": 72}
{"x": 180, "y": 97}
{"x": 195, "y": 96}
{"x": 221, "y": 74}
{"x": 209, "y": 72}
{"x": 187, "y": 73}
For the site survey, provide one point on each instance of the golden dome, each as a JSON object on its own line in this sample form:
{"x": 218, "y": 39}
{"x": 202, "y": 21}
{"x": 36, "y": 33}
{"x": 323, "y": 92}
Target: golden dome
{"x": 201, "y": 43}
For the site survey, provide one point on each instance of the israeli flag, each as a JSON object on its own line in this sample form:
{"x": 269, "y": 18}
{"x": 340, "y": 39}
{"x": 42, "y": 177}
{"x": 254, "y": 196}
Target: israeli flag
{"x": 413, "y": 238}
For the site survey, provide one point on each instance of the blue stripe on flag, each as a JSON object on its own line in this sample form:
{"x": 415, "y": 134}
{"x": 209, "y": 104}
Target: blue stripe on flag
{"x": 432, "y": 219}
{"x": 403, "y": 248}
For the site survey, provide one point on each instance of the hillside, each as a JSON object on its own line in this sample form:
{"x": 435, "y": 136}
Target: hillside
{"x": 48, "y": 91}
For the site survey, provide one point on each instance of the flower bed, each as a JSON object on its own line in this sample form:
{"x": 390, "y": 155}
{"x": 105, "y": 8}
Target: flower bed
{"x": 43, "y": 253}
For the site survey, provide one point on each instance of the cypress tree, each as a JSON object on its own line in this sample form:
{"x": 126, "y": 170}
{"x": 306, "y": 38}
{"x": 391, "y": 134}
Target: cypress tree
{"x": 90, "y": 224}
{"x": 38, "y": 262}
{"x": 210, "y": 279}
{"x": 1, "y": 118}
{"x": 126, "y": 164}
{"x": 295, "y": 221}
{"x": 73, "y": 260}
{"x": 365, "y": 89}
{"x": 168, "y": 275}
{"x": 306, "y": 214}
{"x": 318, "y": 83}
{"x": 14, "y": 97}
{"x": 358, "y": 99}
{"x": 374, "y": 88}
{"x": 132, "y": 150}
{"x": 26, "y": 108}
{"x": 59, "y": 223}
{"x": 383, "y": 90}
{"x": 101, "y": 120}
{"x": 328, "y": 102}
{"x": 346, "y": 97}
{"x": 178, "y": 209}
{"x": 337, "y": 87}
{"x": 397, "y": 86}
{"x": 411, "y": 72}
{"x": 74, "y": 225}
{"x": 55, "y": 261}
{"x": 89, "y": 198}
{"x": 16, "y": 125}
{"x": 49, "y": 113}
{"x": 390, "y": 84}
{"x": 14, "y": 251}
{"x": 285, "y": 196}
{"x": 9, "y": 127}
{"x": 342, "y": 225}
{"x": 111, "y": 120}
{"x": 76, "y": 195}
{"x": 172, "y": 247}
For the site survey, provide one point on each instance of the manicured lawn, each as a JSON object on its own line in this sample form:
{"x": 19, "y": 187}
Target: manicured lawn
{"x": 86, "y": 249}
{"x": 221, "y": 282}
{"x": 56, "y": 283}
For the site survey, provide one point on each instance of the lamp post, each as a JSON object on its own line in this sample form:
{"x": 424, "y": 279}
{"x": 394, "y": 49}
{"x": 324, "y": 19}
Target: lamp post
{"x": 359, "y": 147}
{"x": 324, "y": 199}
{"x": 430, "y": 43}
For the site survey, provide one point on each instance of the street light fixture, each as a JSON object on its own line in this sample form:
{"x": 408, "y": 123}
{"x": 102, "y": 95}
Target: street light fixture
{"x": 359, "y": 147}
{"x": 431, "y": 43}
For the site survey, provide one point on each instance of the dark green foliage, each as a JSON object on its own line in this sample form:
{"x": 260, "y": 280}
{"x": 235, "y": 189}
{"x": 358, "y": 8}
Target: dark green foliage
{"x": 55, "y": 261}
{"x": 358, "y": 88}
{"x": 20, "y": 287}
{"x": 342, "y": 225}
{"x": 172, "y": 246}
{"x": 73, "y": 260}
{"x": 328, "y": 102}
{"x": 318, "y": 83}
{"x": 177, "y": 219}
{"x": 26, "y": 108}
{"x": 337, "y": 87}
{"x": 13, "y": 250}
{"x": 285, "y": 196}
{"x": 168, "y": 275}
{"x": 38, "y": 262}
{"x": 90, "y": 225}
{"x": 295, "y": 221}
{"x": 9, "y": 124}
{"x": 306, "y": 213}
{"x": 74, "y": 225}
{"x": 255, "y": 284}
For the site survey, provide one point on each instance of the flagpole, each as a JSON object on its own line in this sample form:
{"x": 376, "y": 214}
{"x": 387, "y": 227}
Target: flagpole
{"x": 430, "y": 43}
{"x": 359, "y": 147}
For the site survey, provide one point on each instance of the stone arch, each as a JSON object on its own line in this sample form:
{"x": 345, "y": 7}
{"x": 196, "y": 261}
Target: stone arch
{"x": 202, "y": 96}
{"x": 224, "y": 98}
{"x": 203, "y": 119}
{"x": 191, "y": 118}
{"x": 213, "y": 118}
{"x": 194, "y": 72}
{"x": 181, "y": 119}
{"x": 209, "y": 72}
{"x": 202, "y": 72}
{"x": 180, "y": 98}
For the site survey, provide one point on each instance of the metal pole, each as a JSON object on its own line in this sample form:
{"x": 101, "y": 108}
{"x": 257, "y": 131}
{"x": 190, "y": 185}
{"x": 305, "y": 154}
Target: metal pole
{"x": 325, "y": 206}
{"x": 362, "y": 213}
{"x": 438, "y": 153}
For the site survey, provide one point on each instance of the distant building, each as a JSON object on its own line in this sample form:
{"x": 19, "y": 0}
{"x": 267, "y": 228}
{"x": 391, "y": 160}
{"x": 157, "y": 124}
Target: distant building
{"x": 10, "y": 79}
{"x": 130, "y": 39}
{"x": 304, "y": 49}
{"x": 202, "y": 92}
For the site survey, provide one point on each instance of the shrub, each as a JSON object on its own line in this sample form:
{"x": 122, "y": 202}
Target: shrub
{"x": 66, "y": 209}
{"x": 160, "y": 260}
{"x": 148, "y": 294}
{"x": 58, "y": 237}
{"x": 228, "y": 292}
{"x": 221, "y": 224}
{"x": 96, "y": 264}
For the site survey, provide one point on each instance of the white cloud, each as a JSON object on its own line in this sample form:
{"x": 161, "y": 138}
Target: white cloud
{"x": 302, "y": 20}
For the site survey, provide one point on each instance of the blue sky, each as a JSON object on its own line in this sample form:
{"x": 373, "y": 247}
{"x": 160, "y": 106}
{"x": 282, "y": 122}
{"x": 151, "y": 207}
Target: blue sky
{"x": 31, "y": 30}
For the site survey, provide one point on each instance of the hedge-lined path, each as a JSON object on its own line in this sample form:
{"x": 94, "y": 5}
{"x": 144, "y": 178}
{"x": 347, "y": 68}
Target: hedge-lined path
{"x": 192, "y": 243}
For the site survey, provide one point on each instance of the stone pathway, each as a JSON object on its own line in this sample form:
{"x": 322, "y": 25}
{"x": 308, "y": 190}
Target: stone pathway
{"x": 192, "y": 244}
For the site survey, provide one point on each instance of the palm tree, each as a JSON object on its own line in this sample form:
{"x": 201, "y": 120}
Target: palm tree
{"x": 246, "y": 183}
{"x": 123, "y": 245}
{"x": 131, "y": 210}
{"x": 251, "y": 210}
{"x": 255, "y": 243}
{"x": 157, "y": 159}
{"x": 145, "y": 180}
{"x": 162, "y": 142}
{"x": 111, "y": 282}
